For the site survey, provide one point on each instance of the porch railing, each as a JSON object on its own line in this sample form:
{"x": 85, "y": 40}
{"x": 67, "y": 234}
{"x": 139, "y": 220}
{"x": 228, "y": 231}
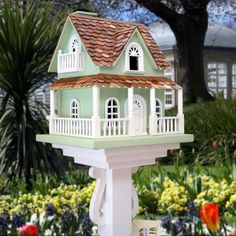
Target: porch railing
{"x": 71, "y": 126}
{"x": 108, "y": 127}
{"x": 114, "y": 127}
{"x": 167, "y": 125}
{"x": 70, "y": 62}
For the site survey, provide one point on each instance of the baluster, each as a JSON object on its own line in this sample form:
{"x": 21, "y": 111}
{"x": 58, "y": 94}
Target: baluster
{"x": 109, "y": 128}
{"x": 119, "y": 126}
{"x": 167, "y": 125}
{"x": 124, "y": 128}
{"x": 82, "y": 127}
{"x": 104, "y": 128}
{"x": 86, "y": 128}
{"x": 114, "y": 127}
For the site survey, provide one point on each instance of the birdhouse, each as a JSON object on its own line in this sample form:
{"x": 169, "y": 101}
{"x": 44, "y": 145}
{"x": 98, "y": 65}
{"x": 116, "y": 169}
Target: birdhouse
{"x": 107, "y": 110}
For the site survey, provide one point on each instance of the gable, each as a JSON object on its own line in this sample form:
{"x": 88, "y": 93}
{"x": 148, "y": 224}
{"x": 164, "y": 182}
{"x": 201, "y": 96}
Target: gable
{"x": 68, "y": 34}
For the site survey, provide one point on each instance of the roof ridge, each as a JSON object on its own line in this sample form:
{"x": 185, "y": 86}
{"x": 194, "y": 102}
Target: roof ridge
{"x": 106, "y": 19}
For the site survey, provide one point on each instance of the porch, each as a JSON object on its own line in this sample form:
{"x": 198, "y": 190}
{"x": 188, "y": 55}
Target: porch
{"x": 129, "y": 125}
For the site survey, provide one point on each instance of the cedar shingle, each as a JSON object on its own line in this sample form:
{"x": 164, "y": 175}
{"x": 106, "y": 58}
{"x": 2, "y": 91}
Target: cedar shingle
{"x": 118, "y": 81}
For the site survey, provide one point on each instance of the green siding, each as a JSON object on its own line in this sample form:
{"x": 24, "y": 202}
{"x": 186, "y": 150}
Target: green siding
{"x": 83, "y": 95}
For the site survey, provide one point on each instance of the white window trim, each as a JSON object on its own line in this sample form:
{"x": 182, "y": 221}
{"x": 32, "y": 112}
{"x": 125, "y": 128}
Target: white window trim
{"x": 71, "y": 40}
{"x": 168, "y": 106}
{"x": 140, "y": 59}
{"x": 160, "y": 107}
{"x": 71, "y": 108}
{"x": 106, "y": 107}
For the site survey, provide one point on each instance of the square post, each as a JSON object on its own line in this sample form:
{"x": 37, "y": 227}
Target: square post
{"x": 52, "y": 110}
{"x": 152, "y": 116}
{"x": 180, "y": 114}
{"x": 131, "y": 111}
{"x": 96, "y": 112}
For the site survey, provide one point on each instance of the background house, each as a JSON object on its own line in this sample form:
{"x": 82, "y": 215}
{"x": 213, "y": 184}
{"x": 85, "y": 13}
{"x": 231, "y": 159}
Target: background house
{"x": 219, "y": 58}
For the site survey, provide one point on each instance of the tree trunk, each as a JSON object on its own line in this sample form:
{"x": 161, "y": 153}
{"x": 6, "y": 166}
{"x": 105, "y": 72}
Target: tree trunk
{"x": 190, "y": 35}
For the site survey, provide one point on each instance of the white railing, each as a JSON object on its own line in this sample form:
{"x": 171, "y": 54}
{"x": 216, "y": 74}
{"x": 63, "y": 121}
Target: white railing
{"x": 70, "y": 62}
{"x": 114, "y": 127}
{"x": 71, "y": 126}
{"x": 167, "y": 125}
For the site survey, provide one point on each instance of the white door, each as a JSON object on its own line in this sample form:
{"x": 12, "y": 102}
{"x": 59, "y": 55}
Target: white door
{"x": 139, "y": 114}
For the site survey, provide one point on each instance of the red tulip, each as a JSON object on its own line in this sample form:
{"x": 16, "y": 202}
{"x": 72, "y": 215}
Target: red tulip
{"x": 233, "y": 234}
{"x": 29, "y": 230}
{"x": 210, "y": 216}
{"x": 214, "y": 144}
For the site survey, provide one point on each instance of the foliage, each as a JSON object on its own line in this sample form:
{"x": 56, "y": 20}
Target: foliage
{"x": 26, "y": 44}
{"x": 62, "y": 210}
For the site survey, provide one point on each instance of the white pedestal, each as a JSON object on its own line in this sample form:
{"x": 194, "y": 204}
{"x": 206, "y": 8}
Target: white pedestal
{"x": 115, "y": 202}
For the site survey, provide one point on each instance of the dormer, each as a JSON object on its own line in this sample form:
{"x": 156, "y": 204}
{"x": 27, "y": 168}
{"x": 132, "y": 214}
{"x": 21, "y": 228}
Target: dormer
{"x": 134, "y": 61}
{"x": 74, "y": 59}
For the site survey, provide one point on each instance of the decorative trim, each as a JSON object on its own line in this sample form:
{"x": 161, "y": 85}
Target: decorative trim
{"x": 139, "y": 53}
{"x": 73, "y": 108}
{"x": 160, "y": 108}
{"x": 112, "y": 106}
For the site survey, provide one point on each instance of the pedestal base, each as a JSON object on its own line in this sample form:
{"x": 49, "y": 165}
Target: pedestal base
{"x": 115, "y": 202}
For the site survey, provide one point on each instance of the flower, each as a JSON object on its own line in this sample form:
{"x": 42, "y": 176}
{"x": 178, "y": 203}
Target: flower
{"x": 235, "y": 153}
{"x": 17, "y": 220}
{"x": 233, "y": 234}
{"x": 28, "y": 230}
{"x": 214, "y": 144}
{"x": 50, "y": 209}
{"x": 210, "y": 216}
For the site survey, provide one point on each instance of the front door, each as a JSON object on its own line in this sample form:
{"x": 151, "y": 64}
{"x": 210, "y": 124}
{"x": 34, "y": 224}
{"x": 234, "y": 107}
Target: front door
{"x": 139, "y": 114}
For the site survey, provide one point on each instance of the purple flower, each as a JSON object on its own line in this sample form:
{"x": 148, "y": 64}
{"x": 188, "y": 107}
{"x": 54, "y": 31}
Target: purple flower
{"x": 50, "y": 209}
{"x": 17, "y": 220}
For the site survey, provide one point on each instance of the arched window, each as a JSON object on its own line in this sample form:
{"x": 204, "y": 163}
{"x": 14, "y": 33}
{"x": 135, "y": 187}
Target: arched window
{"x": 74, "y": 109}
{"x": 158, "y": 108}
{"x": 112, "y": 108}
{"x": 134, "y": 57}
{"x": 74, "y": 43}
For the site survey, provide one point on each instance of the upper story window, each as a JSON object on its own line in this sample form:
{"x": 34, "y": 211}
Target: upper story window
{"x": 169, "y": 93}
{"x": 74, "y": 43}
{"x": 112, "y": 108}
{"x": 134, "y": 58}
{"x": 74, "y": 109}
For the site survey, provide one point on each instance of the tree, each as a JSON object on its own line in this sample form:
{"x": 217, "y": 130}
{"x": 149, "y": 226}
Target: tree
{"x": 188, "y": 19}
{"x": 26, "y": 45}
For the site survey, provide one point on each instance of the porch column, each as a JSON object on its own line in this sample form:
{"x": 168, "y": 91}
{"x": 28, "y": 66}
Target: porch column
{"x": 131, "y": 110}
{"x": 96, "y": 112}
{"x": 180, "y": 114}
{"x": 152, "y": 116}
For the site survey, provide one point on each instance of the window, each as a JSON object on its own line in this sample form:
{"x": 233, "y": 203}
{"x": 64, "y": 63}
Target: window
{"x": 217, "y": 79}
{"x": 74, "y": 109}
{"x": 134, "y": 58}
{"x": 234, "y": 80}
{"x": 112, "y": 108}
{"x": 169, "y": 93}
{"x": 74, "y": 43}
{"x": 158, "y": 108}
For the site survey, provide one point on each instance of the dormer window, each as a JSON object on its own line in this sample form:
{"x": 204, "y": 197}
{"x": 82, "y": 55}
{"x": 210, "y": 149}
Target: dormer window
{"x": 134, "y": 58}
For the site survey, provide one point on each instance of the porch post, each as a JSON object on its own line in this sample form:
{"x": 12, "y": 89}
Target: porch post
{"x": 131, "y": 110}
{"x": 96, "y": 112}
{"x": 180, "y": 114}
{"x": 152, "y": 116}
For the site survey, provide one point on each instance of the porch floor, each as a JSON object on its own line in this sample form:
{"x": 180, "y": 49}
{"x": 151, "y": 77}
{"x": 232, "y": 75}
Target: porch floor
{"x": 114, "y": 142}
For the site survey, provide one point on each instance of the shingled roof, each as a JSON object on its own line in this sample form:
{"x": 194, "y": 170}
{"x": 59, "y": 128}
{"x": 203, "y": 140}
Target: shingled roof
{"x": 115, "y": 81}
{"x": 105, "y": 39}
